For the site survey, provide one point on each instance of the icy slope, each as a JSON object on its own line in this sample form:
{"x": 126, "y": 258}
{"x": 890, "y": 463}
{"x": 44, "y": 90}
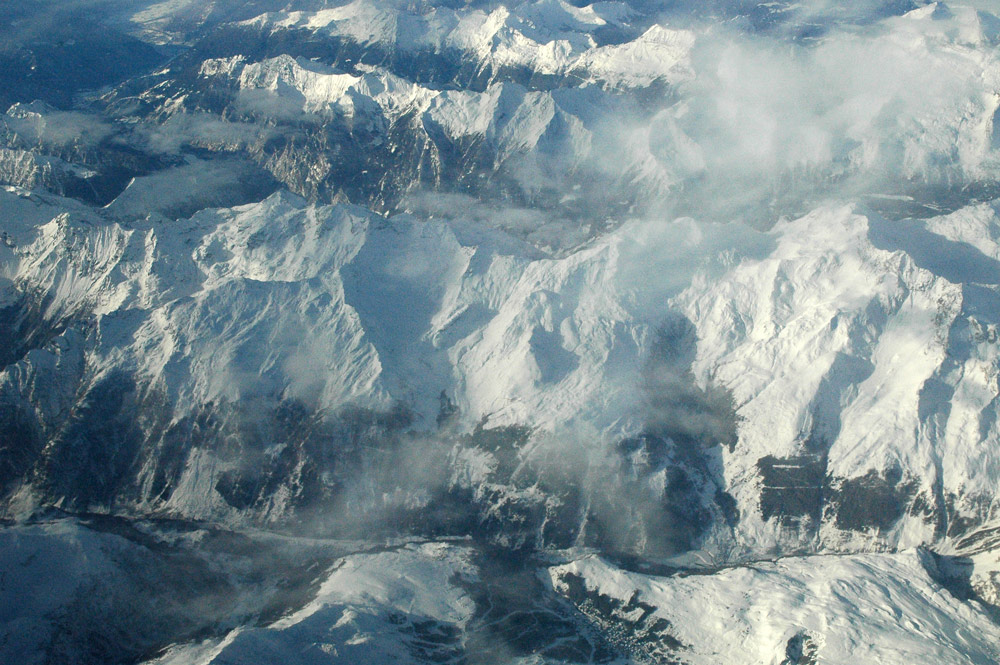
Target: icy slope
{"x": 548, "y": 37}
{"x": 373, "y": 136}
{"x": 424, "y": 603}
{"x": 251, "y": 597}
{"x": 405, "y": 605}
{"x": 719, "y": 122}
{"x": 320, "y": 309}
{"x": 856, "y": 351}
{"x": 858, "y": 369}
{"x": 835, "y": 609}
{"x": 102, "y": 589}
{"x": 709, "y": 291}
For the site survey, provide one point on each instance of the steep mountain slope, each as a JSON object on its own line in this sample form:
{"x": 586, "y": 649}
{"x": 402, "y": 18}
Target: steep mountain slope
{"x": 887, "y": 362}
{"x": 368, "y": 324}
{"x": 791, "y": 611}
{"x": 888, "y": 372}
{"x": 539, "y": 331}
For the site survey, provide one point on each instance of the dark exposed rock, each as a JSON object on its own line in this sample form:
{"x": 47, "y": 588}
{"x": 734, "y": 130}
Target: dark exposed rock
{"x": 518, "y": 616}
{"x": 800, "y": 650}
{"x": 873, "y": 500}
{"x": 631, "y": 627}
{"x": 794, "y": 488}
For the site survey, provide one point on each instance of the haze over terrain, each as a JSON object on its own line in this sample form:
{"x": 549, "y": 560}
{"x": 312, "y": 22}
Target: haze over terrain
{"x": 499, "y": 332}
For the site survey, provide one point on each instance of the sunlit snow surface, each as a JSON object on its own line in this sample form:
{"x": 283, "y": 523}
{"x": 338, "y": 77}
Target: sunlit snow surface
{"x": 526, "y": 332}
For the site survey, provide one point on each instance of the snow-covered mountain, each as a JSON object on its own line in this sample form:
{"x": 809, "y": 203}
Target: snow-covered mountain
{"x": 503, "y": 332}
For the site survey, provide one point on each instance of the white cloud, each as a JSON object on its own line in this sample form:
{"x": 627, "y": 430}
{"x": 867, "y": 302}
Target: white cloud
{"x": 863, "y": 109}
